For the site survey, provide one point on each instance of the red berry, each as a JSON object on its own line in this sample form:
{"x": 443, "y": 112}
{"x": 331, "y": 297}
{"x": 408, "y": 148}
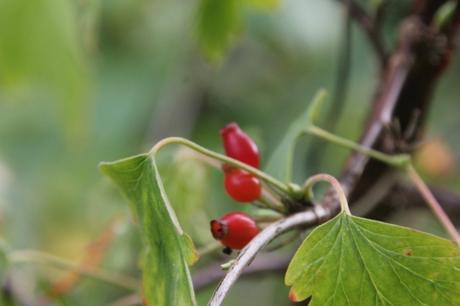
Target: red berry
{"x": 242, "y": 186}
{"x": 234, "y": 230}
{"x": 239, "y": 145}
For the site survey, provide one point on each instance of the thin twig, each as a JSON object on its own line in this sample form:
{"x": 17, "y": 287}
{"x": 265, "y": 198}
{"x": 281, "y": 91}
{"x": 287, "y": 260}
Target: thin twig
{"x": 433, "y": 204}
{"x": 129, "y": 300}
{"x": 316, "y": 154}
{"x": 342, "y": 80}
{"x": 306, "y": 218}
{"x": 373, "y": 198}
{"x": 370, "y": 27}
{"x": 263, "y": 264}
{"x": 37, "y": 257}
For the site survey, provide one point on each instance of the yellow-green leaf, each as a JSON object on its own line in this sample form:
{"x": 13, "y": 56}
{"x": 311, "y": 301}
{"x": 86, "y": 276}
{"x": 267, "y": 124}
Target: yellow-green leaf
{"x": 356, "y": 261}
{"x": 167, "y": 249}
{"x": 263, "y": 4}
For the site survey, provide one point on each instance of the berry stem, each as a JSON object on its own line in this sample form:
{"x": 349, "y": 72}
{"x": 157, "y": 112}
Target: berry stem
{"x": 222, "y": 158}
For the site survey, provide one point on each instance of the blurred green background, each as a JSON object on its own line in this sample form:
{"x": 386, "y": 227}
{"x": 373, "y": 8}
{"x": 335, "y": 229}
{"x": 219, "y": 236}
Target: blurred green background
{"x": 82, "y": 81}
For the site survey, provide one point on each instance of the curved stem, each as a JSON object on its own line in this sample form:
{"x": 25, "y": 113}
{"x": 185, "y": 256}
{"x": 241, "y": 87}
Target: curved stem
{"x": 335, "y": 184}
{"x": 37, "y": 257}
{"x": 224, "y": 159}
{"x": 309, "y": 217}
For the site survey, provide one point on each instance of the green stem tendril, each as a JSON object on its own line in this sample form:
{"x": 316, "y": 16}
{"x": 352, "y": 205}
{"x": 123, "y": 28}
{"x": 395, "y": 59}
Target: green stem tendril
{"x": 398, "y": 161}
{"x": 222, "y": 158}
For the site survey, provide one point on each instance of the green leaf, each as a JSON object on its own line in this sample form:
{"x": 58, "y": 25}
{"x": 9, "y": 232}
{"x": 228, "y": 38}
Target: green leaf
{"x": 356, "y": 261}
{"x": 263, "y": 4}
{"x": 218, "y": 21}
{"x": 167, "y": 249}
{"x": 280, "y": 163}
{"x": 444, "y": 13}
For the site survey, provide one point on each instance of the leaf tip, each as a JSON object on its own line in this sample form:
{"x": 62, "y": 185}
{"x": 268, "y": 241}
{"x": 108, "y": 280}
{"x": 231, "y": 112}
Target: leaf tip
{"x": 315, "y": 107}
{"x": 292, "y": 296}
{"x": 103, "y": 167}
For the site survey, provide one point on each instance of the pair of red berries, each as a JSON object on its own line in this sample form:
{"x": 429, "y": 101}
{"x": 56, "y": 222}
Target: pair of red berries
{"x": 239, "y": 184}
{"x": 235, "y": 230}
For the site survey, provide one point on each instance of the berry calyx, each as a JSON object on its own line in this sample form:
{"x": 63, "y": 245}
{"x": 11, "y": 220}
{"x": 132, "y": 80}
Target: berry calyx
{"x": 234, "y": 230}
{"x": 239, "y": 145}
{"x": 241, "y": 185}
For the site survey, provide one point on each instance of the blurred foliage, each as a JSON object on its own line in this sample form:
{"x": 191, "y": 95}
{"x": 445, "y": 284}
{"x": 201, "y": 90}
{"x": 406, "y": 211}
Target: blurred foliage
{"x": 88, "y": 80}
{"x": 220, "y": 20}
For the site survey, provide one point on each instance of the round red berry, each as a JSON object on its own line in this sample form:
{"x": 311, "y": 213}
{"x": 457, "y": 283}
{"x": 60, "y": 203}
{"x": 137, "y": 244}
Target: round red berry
{"x": 234, "y": 230}
{"x": 239, "y": 145}
{"x": 242, "y": 186}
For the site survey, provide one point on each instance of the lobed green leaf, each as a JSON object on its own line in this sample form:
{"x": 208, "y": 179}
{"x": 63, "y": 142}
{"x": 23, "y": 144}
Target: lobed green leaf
{"x": 356, "y": 261}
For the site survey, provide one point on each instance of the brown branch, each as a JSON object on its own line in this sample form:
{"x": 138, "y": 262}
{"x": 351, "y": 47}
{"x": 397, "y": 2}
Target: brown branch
{"x": 370, "y": 27}
{"x": 406, "y": 89}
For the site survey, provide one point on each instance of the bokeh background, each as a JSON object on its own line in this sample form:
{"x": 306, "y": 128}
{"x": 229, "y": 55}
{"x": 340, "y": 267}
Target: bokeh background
{"x": 84, "y": 81}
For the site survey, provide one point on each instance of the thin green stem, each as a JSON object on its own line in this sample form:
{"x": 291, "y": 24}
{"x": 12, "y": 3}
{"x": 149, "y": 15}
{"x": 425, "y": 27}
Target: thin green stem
{"x": 433, "y": 204}
{"x": 37, "y": 257}
{"x": 222, "y": 158}
{"x": 398, "y": 161}
{"x": 335, "y": 184}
